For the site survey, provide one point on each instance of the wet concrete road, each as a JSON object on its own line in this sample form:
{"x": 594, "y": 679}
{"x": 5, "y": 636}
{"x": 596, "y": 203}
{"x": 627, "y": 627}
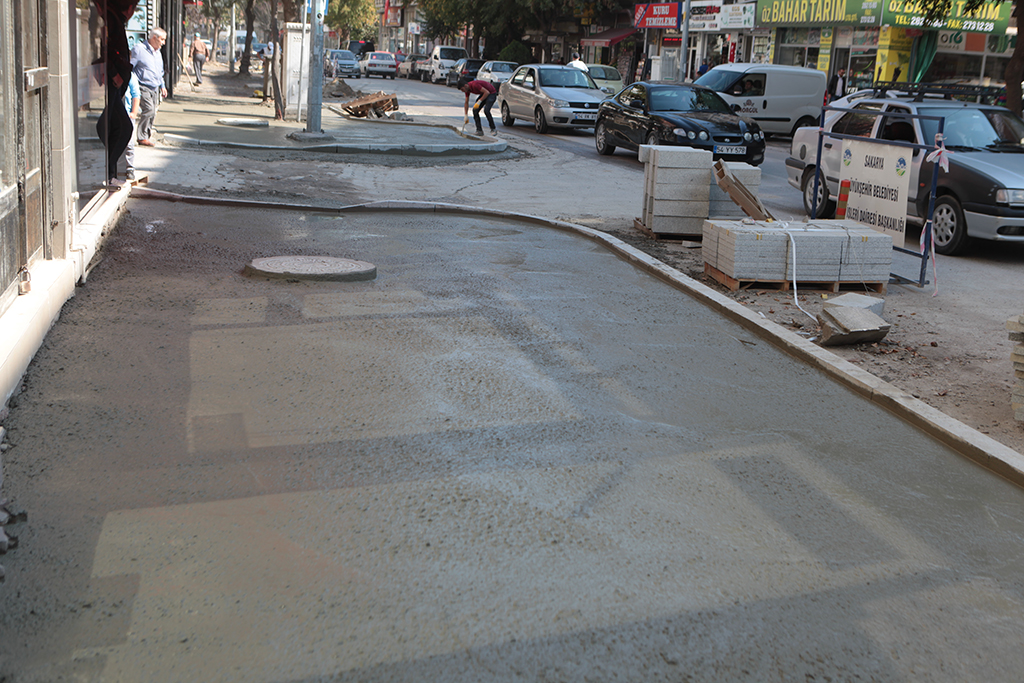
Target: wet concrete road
{"x": 512, "y": 456}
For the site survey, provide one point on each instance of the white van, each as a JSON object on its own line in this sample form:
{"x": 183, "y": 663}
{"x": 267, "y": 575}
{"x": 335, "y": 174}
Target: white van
{"x": 442, "y": 58}
{"x": 780, "y": 98}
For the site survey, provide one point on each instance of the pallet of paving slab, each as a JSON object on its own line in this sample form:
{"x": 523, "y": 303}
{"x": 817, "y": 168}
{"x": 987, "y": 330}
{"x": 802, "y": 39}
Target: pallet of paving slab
{"x": 664, "y": 236}
{"x": 784, "y": 285}
{"x": 377, "y": 104}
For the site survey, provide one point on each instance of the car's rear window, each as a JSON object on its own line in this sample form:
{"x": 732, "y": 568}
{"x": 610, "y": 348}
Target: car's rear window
{"x": 606, "y": 73}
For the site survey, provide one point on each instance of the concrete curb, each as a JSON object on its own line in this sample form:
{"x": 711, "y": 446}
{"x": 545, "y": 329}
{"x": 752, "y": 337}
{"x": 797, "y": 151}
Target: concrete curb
{"x": 967, "y": 441}
{"x": 454, "y": 148}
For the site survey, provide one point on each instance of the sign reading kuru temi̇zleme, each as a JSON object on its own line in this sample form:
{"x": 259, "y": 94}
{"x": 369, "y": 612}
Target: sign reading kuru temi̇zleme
{"x": 991, "y": 17}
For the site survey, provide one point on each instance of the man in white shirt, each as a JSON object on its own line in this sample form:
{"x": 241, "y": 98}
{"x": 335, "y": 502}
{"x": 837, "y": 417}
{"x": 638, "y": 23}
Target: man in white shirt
{"x": 577, "y": 62}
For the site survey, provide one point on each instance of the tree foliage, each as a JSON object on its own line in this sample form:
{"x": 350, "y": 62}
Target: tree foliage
{"x": 352, "y": 19}
{"x": 936, "y": 10}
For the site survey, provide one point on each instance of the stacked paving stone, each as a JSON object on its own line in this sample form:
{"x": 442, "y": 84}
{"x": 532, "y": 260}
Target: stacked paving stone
{"x": 1016, "y": 328}
{"x": 720, "y": 204}
{"x": 826, "y": 251}
{"x": 676, "y": 190}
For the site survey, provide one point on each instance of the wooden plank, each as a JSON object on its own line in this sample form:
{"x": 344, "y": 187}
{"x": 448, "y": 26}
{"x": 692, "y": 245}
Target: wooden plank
{"x": 735, "y": 284}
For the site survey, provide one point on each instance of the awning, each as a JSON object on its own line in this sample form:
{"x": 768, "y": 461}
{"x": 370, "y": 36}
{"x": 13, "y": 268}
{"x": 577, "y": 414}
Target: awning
{"x": 609, "y": 37}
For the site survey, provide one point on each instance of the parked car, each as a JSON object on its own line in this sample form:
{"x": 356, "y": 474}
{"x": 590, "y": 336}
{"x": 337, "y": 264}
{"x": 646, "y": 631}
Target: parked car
{"x": 463, "y": 72}
{"x": 780, "y": 98}
{"x": 496, "y": 72}
{"x": 378, "y": 64}
{"x": 345, "y": 64}
{"x": 607, "y": 78}
{"x": 982, "y": 194}
{"x": 670, "y": 114}
{"x": 410, "y": 67}
{"x": 442, "y": 58}
{"x": 550, "y": 95}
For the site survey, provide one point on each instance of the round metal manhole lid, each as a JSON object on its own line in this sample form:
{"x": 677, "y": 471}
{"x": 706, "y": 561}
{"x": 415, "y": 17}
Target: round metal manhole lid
{"x": 325, "y": 268}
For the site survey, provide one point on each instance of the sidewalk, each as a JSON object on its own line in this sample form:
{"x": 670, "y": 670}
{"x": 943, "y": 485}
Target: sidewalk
{"x": 197, "y": 115}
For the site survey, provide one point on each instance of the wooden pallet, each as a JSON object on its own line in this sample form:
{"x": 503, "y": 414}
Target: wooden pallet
{"x": 665, "y": 236}
{"x": 784, "y": 285}
{"x": 371, "y": 105}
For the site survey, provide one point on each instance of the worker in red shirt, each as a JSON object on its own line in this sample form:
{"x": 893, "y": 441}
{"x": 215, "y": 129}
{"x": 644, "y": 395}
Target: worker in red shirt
{"x": 488, "y": 96}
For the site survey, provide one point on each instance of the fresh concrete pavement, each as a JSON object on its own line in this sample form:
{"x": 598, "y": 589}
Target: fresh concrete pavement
{"x": 515, "y": 455}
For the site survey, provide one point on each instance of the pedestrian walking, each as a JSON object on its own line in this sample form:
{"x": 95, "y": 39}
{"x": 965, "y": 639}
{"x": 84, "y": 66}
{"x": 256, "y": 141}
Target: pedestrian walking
{"x": 148, "y": 65}
{"x": 837, "y": 86}
{"x": 199, "y": 54}
{"x": 577, "y": 63}
{"x": 131, "y": 105}
{"x": 488, "y": 95}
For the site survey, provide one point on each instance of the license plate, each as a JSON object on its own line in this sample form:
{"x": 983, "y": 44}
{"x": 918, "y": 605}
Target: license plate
{"x": 587, "y": 117}
{"x": 730, "y": 149}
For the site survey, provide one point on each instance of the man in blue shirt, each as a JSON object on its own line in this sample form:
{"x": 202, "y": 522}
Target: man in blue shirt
{"x": 148, "y": 65}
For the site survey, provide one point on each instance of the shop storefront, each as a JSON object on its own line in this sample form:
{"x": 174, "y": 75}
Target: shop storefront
{"x": 737, "y": 23}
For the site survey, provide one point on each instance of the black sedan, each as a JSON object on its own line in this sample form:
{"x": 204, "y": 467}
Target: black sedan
{"x": 672, "y": 114}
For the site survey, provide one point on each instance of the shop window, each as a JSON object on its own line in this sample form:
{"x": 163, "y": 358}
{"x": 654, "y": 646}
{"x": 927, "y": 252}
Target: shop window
{"x": 953, "y": 67}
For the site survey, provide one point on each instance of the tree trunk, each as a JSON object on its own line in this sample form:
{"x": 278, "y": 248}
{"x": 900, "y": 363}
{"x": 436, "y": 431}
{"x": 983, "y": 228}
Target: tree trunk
{"x": 250, "y": 19}
{"x": 1015, "y": 68}
{"x": 216, "y": 32}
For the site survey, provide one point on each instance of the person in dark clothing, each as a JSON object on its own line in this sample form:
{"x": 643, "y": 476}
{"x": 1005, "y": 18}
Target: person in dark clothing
{"x": 114, "y": 126}
{"x": 837, "y": 85}
{"x": 488, "y": 96}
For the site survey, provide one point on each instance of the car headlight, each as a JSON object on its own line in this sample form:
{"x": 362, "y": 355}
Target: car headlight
{"x": 748, "y": 137}
{"x": 681, "y": 132}
{"x": 690, "y": 134}
{"x": 560, "y": 104}
{"x": 703, "y": 135}
{"x": 1015, "y": 197}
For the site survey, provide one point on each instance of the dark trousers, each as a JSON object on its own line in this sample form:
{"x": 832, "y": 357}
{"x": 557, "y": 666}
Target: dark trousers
{"x": 114, "y": 126}
{"x": 486, "y": 105}
{"x": 197, "y": 64}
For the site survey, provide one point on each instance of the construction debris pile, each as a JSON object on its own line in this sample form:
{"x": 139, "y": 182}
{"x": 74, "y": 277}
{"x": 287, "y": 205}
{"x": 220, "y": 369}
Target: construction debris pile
{"x": 1015, "y": 326}
{"x": 375, "y": 105}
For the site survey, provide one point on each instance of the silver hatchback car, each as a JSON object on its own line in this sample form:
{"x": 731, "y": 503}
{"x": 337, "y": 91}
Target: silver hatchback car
{"x": 345, "y": 64}
{"x": 550, "y": 96}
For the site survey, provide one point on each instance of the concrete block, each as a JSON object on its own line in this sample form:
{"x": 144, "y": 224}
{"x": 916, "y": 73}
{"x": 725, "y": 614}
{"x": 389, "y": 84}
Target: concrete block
{"x": 666, "y": 207}
{"x": 680, "y": 176}
{"x": 844, "y": 325}
{"x": 676, "y": 225}
{"x": 854, "y": 300}
{"x": 644, "y": 155}
{"x": 1015, "y": 324}
{"x": 682, "y": 157}
{"x": 675, "y": 191}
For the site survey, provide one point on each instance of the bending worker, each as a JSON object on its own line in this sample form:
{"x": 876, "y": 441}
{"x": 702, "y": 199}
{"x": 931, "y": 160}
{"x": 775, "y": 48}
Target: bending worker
{"x": 488, "y": 95}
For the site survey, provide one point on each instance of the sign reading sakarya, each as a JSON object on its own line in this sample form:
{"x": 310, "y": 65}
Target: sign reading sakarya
{"x": 879, "y": 178}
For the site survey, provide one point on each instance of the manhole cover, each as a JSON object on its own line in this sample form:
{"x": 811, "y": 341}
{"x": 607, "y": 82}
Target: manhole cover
{"x": 312, "y": 268}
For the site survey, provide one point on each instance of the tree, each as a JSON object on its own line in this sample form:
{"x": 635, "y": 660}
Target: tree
{"x": 351, "y": 19}
{"x": 938, "y": 10}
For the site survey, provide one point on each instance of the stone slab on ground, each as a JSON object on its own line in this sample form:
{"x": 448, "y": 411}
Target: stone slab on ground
{"x": 843, "y": 325}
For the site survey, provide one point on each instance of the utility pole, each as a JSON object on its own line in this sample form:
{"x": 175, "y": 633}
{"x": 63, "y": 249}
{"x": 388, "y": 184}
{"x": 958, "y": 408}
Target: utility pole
{"x": 684, "y": 52}
{"x": 315, "y": 97}
{"x": 230, "y": 48}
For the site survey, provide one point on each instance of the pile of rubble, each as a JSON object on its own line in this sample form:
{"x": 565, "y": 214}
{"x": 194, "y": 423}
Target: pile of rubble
{"x": 1015, "y": 326}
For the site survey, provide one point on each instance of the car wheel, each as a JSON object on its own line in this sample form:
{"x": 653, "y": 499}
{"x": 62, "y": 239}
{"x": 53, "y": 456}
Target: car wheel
{"x": 652, "y": 139}
{"x": 825, "y": 205}
{"x": 802, "y": 123}
{"x": 601, "y": 139}
{"x": 949, "y": 229}
{"x": 506, "y": 116}
{"x": 540, "y": 124}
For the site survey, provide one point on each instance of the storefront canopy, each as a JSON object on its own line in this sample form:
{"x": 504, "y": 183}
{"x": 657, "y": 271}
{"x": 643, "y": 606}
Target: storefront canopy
{"x": 609, "y": 37}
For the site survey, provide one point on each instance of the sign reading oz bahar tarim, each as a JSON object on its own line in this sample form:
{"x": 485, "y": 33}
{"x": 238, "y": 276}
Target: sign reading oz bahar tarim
{"x": 990, "y": 17}
{"x": 879, "y": 178}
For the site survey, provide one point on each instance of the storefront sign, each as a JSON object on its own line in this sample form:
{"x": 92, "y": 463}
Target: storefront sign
{"x": 737, "y": 16}
{"x": 991, "y": 17}
{"x": 879, "y": 178}
{"x": 656, "y": 15}
{"x": 704, "y": 15}
{"x": 816, "y": 12}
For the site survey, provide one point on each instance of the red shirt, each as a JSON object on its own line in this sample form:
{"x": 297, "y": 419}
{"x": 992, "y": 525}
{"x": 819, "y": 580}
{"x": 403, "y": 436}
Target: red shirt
{"x": 480, "y": 88}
